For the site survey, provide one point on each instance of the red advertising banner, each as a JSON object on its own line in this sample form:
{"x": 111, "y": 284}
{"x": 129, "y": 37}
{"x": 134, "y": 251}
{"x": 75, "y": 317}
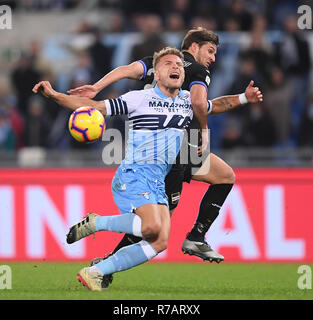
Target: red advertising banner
{"x": 267, "y": 217}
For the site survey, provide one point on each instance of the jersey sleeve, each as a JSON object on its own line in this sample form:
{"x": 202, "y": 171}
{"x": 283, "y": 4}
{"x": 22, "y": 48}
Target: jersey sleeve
{"x": 147, "y": 64}
{"x": 199, "y": 75}
{"x": 210, "y": 106}
{"x": 123, "y": 105}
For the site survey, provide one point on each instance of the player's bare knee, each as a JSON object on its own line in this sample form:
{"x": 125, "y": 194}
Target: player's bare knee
{"x": 151, "y": 231}
{"x": 228, "y": 176}
{"x": 231, "y": 177}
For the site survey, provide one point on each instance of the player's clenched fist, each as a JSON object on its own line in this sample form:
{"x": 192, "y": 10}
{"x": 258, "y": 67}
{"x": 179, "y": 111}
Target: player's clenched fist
{"x": 253, "y": 94}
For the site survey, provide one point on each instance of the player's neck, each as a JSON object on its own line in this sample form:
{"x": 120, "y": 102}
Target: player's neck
{"x": 170, "y": 92}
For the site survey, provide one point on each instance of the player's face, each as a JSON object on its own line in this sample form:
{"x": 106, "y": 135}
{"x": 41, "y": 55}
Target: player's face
{"x": 170, "y": 72}
{"x": 206, "y": 54}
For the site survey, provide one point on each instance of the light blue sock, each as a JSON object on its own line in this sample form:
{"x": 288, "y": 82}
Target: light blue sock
{"x": 124, "y": 223}
{"x": 127, "y": 257}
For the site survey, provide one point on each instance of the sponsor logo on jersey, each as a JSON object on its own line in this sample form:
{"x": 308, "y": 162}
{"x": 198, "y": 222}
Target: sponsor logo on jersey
{"x": 165, "y": 104}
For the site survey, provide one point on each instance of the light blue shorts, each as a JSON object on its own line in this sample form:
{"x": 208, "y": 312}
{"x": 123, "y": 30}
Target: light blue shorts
{"x": 133, "y": 188}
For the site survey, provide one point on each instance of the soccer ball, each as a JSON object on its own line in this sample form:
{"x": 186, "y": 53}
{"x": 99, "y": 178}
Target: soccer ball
{"x": 86, "y": 124}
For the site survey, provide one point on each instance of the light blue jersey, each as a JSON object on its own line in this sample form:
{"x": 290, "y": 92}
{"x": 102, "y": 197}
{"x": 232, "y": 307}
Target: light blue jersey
{"x": 156, "y": 129}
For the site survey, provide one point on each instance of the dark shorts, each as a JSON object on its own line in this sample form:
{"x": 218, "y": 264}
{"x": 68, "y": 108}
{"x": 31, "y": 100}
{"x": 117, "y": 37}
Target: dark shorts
{"x": 179, "y": 174}
{"x": 174, "y": 184}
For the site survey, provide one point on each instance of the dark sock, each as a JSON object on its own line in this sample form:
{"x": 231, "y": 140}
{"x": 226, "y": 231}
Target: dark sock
{"x": 126, "y": 241}
{"x": 209, "y": 209}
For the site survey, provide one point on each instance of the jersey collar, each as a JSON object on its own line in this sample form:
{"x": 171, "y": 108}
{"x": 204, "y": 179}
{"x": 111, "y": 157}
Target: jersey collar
{"x": 162, "y": 95}
{"x": 189, "y": 56}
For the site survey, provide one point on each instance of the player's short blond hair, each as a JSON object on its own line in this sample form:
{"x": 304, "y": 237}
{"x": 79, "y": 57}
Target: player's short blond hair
{"x": 164, "y": 52}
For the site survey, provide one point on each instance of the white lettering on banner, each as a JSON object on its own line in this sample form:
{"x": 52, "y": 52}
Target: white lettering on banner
{"x": 7, "y": 226}
{"x": 41, "y": 212}
{"x": 277, "y": 246}
{"x": 242, "y": 235}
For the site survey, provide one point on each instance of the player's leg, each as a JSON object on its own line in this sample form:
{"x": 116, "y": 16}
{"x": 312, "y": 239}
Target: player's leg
{"x": 221, "y": 178}
{"x": 125, "y": 223}
{"x": 155, "y": 229}
{"x": 173, "y": 188}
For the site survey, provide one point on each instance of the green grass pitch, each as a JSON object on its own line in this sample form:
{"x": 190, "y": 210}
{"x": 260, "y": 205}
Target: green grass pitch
{"x": 160, "y": 281}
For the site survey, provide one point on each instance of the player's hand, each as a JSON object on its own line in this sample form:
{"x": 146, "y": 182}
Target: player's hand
{"x": 86, "y": 91}
{"x": 45, "y": 88}
{"x": 204, "y": 141}
{"x": 253, "y": 94}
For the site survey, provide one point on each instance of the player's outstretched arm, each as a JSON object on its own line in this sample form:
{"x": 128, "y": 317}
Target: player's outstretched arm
{"x": 227, "y": 103}
{"x": 133, "y": 71}
{"x": 67, "y": 101}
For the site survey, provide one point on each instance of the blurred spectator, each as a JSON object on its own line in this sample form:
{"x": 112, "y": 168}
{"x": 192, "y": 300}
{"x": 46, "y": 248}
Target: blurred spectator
{"x": 35, "y": 54}
{"x": 293, "y": 56}
{"x": 260, "y": 51}
{"x": 293, "y": 51}
{"x": 117, "y": 23}
{"x": 207, "y": 8}
{"x": 83, "y": 72}
{"x": 8, "y": 107}
{"x": 7, "y": 137}
{"x": 174, "y": 22}
{"x": 101, "y": 57}
{"x": 233, "y": 136}
{"x": 151, "y": 26}
{"x": 246, "y": 72}
{"x": 24, "y": 77}
{"x": 17, "y": 122}
{"x": 260, "y": 128}
{"x": 84, "y": 26}
{"x": 37, "y": 124}
{"x": 238, "y": 13}
{"x": 259, "y": 23}
{"x": 306, "y": 126}
{"x": 132, "y": 7}
{"x": 185, "y": 8}
{"x": 231, "y": 25}
{"x": 277, "y": 99}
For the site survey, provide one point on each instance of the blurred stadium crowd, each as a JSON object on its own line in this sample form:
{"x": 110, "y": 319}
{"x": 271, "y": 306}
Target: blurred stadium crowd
{"x": 272, "y": 50}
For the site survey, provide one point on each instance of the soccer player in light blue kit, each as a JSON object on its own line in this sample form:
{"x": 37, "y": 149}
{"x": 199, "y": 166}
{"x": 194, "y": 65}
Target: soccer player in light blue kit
{"x": 158, "y": 117}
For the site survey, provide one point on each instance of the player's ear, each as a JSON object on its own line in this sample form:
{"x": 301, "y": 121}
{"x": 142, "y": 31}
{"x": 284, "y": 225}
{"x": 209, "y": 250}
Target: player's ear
{"x": 195, "y": 46}
{"x": 156, "y": 75}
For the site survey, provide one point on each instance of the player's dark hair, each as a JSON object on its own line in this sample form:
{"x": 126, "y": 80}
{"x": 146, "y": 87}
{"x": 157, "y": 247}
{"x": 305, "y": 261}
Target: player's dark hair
{"x": 199, "y": 35}
{"x": 164, "y": 52}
